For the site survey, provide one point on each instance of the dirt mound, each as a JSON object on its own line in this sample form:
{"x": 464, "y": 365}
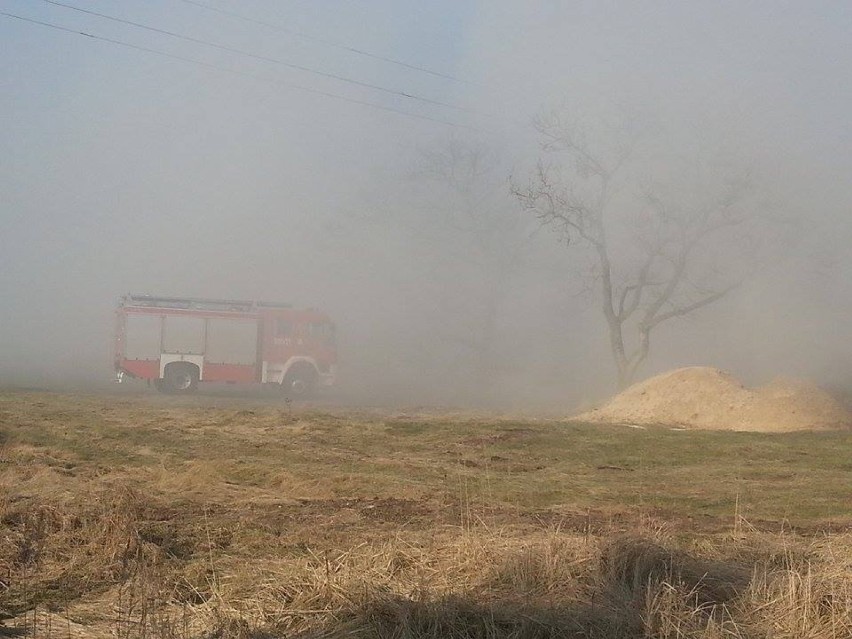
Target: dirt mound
{"x": 707, "y": 398}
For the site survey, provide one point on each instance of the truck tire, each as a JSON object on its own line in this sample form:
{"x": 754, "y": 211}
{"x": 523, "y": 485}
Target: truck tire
{"x": 179, "y": 379}
{"x": 300, "y": 382}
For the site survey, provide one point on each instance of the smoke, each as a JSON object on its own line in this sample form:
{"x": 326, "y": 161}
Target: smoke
{"x": 131, "y": 171}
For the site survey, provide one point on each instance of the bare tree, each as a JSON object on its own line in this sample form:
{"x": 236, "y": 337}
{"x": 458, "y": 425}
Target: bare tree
{"x": 655, "y": 249}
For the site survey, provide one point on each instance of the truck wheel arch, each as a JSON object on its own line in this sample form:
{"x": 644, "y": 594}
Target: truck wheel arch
{"x": 300, "y": 377}
{"x": 180, "y": 378}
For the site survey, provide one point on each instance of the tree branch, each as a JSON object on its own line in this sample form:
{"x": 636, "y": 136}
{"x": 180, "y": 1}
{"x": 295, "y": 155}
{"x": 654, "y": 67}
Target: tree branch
{"x": 685, "y": 310}
{"x": 625, "y": 310}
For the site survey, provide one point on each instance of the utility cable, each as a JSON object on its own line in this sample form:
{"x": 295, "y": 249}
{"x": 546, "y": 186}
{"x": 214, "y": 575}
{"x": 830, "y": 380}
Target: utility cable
{"x": 324, "y": 41}
{"x": 256, "y": 56}
{"x": 241, "y": 73}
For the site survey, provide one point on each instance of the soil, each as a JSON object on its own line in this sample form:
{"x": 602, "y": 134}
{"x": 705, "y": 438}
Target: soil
{"x": 708, "y": 398}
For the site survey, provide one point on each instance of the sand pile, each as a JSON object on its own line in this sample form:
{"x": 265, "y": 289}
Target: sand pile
{"x": 708, "y": 398}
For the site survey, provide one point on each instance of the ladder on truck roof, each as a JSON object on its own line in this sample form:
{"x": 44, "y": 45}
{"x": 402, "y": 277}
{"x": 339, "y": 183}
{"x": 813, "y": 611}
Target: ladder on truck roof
{"x": 198, "y": 303}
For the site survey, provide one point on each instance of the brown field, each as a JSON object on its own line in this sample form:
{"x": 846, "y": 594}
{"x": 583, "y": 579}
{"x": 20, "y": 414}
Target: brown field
{"x": 149, "y": 516}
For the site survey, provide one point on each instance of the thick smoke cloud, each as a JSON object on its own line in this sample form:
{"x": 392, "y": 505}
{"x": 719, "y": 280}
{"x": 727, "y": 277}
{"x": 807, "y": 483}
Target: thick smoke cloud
{"x": 125, "y": 170}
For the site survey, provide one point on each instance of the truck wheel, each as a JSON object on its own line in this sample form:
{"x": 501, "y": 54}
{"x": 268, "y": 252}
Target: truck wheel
{"x": 180, "y": 379}
{"x": 300, "y": 382}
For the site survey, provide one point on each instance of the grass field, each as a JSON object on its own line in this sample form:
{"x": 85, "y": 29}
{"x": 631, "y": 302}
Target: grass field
{"x": 153, "y": 516}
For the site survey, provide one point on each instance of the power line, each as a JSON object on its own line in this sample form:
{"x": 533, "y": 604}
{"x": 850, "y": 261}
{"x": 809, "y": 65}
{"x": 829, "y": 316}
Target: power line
{"x": 222, "y": 47}
{"x": 330, "y": 43}
{"x": 241, "y": 73}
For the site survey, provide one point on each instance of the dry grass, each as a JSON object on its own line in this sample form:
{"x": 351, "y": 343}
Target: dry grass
{"x": 116, "y": 571}
{"x": 167, "y": 521}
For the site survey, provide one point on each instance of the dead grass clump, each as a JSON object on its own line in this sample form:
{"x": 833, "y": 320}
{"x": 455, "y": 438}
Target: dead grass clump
{"x": 464, "y": 616}
{"x": 795, "y": 591}
{"x": 809, "y": 597}
{"x": 459, "y": 586}
{"x": 669, "y": 612}
{"x": 57, "y": 555}
{"x": 546, "y": 569}
{"x": 190, "y": 478}
{"x": 633, "y": 565}
{"x": 4, "y": 444}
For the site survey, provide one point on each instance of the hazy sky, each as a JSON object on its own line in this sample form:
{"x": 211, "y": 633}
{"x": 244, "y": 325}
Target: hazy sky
{"x": 124, "y": 170}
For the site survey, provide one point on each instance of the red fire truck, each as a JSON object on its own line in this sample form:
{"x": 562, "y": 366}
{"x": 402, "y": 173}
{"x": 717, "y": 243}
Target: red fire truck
{"x": 178, "y": 342}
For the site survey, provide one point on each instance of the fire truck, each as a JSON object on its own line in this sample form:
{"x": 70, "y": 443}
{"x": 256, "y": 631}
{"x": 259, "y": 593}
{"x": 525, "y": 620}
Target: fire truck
{"x": 176, "y": 342}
